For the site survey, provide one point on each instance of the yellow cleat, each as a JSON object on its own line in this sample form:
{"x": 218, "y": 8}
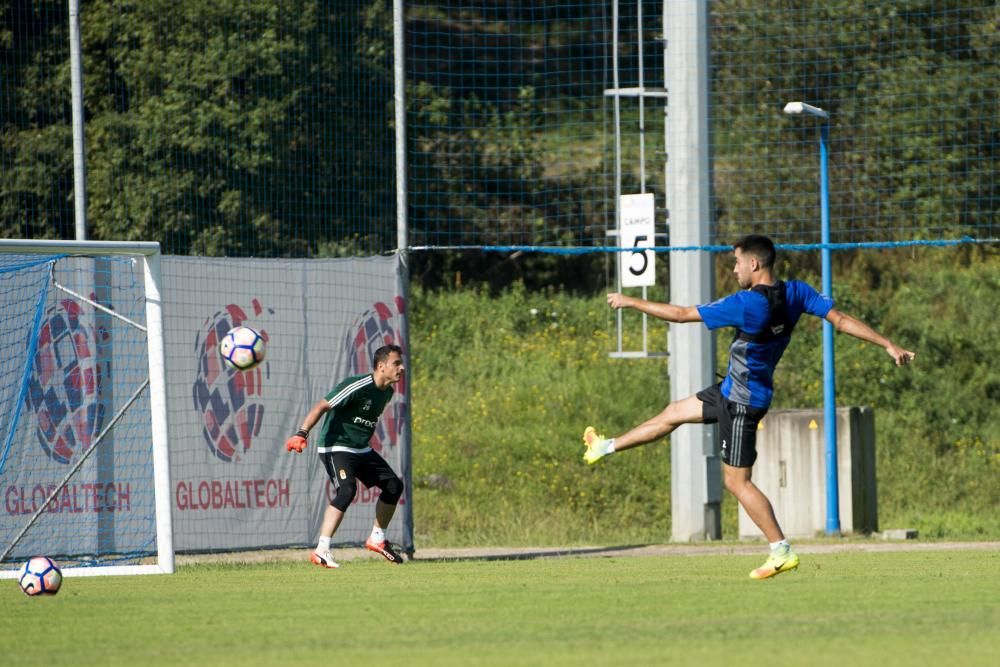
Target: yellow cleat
{"x": 776, "y": 564}
{"x": 597, "y": 446}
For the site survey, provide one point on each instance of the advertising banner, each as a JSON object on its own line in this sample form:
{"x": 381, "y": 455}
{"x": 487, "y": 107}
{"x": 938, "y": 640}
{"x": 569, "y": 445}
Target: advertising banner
{"x": 233, "y": 484}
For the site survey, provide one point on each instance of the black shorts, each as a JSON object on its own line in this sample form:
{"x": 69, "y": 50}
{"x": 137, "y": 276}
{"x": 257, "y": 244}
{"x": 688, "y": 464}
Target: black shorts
{"x": 369, "y": 468}
{"x": 737, "y": 426}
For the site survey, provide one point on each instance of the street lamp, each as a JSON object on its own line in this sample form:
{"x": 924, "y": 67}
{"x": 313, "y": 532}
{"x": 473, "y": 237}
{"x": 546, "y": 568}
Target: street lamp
{"x": 829, "y": 379}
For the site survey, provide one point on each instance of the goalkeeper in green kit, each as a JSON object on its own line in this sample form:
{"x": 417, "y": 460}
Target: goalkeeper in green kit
{"x": 352, "y": 410}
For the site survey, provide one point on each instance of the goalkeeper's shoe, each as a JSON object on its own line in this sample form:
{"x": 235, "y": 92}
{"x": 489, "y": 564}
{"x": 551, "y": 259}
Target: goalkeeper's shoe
{"x": 384, "y": 549}
{"x": 778, "y": 562}
{"x": 323, "y": 559}
{"x": 597, "y": 445}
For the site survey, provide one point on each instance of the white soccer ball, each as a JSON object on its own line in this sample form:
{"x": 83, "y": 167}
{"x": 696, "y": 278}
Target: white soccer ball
{"x": 242, "y": 348}
{"x": 40, "y": 576}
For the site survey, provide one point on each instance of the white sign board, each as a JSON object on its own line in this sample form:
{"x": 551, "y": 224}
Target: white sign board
{"x": 636, "y": 232}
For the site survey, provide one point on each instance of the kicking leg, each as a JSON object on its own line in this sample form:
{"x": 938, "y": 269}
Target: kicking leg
{"x": 685, "y": 411}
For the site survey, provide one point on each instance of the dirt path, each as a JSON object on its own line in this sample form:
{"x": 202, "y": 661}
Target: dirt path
{"x": 637, "y": 551}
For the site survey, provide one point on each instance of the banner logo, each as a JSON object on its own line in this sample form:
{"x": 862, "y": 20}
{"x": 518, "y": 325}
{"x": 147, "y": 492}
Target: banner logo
{"x": 66, "y": 381}
{"x": 380, "y": 325}
{"x": 228, "y": 400}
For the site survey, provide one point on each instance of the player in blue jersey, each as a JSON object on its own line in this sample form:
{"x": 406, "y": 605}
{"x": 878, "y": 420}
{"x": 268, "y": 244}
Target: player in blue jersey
{"x": 352, "y": 409}
{"x": 764, "y": 315}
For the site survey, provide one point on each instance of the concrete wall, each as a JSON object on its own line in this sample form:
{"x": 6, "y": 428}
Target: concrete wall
{"x": 791, "y": 471}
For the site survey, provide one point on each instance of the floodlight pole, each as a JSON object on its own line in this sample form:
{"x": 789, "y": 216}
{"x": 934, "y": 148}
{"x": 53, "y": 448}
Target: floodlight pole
{"x": 79, "y": 146}
{"x": 829, "y": 372}
{"x": 402, "y": 246}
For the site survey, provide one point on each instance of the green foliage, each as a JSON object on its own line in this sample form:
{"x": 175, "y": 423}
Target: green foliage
{"x": 36, "y": 143}
{"x": 498, "y": 144}
{"x": 504, "y": 386}
{"x": 210, "y": 126}
{"x": 937, "y": 442}
{"x": 905, "y": 161}
{"x": 259, "y": 128}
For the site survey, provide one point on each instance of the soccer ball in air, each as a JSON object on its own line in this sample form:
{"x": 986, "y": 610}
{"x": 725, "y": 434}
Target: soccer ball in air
{"x": 242, "y": 348}
{"x": 40, "y": 576}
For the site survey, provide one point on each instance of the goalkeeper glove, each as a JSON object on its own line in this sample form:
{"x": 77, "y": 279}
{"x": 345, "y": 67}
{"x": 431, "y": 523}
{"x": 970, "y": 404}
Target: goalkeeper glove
{"x": 297, "y": 442}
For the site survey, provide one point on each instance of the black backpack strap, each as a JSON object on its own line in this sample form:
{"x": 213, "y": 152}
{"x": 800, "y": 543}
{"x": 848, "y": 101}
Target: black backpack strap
{"x": 778, "y": 325}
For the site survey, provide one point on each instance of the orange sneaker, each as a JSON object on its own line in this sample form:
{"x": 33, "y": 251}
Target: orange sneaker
{"x": 324, "y": 559}
{"x": 384, "y": 549}
{"x": 783, "y": 561}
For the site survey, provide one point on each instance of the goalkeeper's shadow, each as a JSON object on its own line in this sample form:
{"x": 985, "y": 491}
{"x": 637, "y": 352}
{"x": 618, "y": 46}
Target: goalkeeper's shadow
{"x": 528, "y": 553}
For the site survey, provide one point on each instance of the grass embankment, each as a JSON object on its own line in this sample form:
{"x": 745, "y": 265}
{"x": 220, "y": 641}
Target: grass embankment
{"x": 504, "y": 385}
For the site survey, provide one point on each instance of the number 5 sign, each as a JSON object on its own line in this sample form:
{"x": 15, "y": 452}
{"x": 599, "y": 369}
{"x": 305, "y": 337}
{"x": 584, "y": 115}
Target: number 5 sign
{"x": 636, "y": 232}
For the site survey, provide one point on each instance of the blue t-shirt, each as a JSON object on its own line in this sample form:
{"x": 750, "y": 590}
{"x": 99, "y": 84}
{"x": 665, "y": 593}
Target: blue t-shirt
{"x": 750, "y": 376}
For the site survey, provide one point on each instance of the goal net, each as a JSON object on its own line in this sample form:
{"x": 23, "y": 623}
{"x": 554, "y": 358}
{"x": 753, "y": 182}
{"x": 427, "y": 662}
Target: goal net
{"x": 83, "y": 465}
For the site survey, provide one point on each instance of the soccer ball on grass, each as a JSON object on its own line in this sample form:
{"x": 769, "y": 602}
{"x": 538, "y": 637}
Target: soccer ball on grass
{"x": 40, "y": 576}
{"x": 242, "y": 348}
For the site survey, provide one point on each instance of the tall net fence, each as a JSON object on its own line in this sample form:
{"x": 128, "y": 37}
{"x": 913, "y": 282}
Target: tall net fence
{"x": 911, "y": 89}
{"x": 254, "y": 128}
{"x": 509, "y": 140}
{"x": 236, "y": 128}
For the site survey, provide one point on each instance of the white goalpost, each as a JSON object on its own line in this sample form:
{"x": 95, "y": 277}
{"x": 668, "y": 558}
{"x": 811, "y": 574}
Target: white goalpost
{"x": 84, "y": 465}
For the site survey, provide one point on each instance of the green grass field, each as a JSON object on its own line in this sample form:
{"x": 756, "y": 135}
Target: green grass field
{"x": 854, "y": 608}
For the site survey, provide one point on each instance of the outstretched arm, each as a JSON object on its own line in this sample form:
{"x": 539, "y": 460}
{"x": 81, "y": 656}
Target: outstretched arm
{"x": 298, "y": 442}
{"x": 663, "y": 311}
{"x": 317, "y": 412}
{"x": 855, "y": 327}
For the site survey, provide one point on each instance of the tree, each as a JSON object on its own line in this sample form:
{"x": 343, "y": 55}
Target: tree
{"x": 216, "y": 128}
{"x": 912, "y": 90}
{"x": 36, "y": 141}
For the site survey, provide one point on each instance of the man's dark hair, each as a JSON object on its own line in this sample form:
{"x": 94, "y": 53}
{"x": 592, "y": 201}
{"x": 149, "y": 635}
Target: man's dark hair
{"x": 383, "y": 353}
{"x": 760, "y": 247}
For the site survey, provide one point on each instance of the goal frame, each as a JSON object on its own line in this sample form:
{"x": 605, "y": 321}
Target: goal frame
{"x": 148, "y": 253}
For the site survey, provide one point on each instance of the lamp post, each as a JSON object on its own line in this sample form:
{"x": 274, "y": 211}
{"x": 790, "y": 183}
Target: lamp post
{"x": 829, "y": 378}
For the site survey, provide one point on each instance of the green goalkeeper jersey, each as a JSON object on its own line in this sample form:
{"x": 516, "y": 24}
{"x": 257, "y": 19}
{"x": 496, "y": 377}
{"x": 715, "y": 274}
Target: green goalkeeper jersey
{"x": 356, "y": 404}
